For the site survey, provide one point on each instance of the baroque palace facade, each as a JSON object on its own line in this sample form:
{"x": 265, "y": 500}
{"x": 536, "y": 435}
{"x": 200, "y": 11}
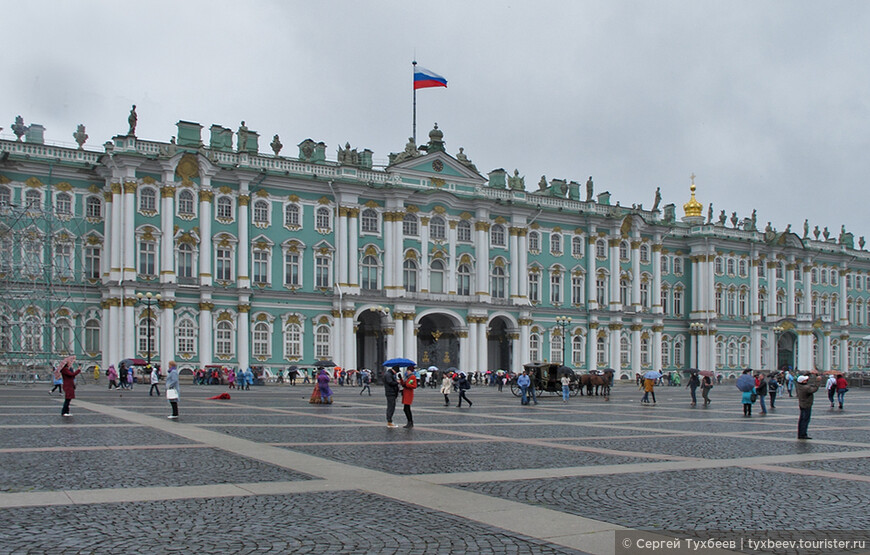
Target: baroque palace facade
{"x": 267, "y": 260}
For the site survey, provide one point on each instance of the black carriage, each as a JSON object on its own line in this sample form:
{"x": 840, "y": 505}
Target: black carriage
{"x": 547, "y": 378}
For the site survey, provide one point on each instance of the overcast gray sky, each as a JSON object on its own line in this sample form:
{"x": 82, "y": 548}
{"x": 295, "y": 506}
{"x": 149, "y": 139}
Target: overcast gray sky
{"x": 766, "y": 102}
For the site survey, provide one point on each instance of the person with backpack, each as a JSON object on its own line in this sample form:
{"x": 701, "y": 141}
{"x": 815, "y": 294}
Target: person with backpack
{"x": 366, "y": 376}
{"x": 58, "y": 381}
{"x": 155, "y": 380}
{"x": 772, "y": 387}
{"x": 693, "y": 384}
{"x": 463, "y": 387}
{"x": 761, "y": 391}
{"x": 831, "y": 388}
{"x": 706, "y": 386}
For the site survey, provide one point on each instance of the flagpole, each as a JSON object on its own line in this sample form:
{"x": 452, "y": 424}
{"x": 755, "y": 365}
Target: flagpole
{"x": 414, "y": 124}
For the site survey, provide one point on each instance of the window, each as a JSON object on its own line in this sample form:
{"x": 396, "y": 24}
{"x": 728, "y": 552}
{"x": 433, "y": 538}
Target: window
{"x": 601, "y": 249}
{"x": 409, "y": 275}
{"x": 63, "y": 259}
{"x": 678, "y": 266}
{"x": 147, "y": 336}
{"x": 63, "y": 204}
{"x": 601, "y": 290}
{"x": 834, "y": 277}
{"x": 644, "y": 254}
{"x": 147, "y": 199}
{"x": 744, "y": 354}
{"x": 410, "y": 226}
{"x": 321, "y": 271}
{"x": 437, "y": 229}
{"x": 644, "y": 294}
{"x": 535, "y": 347}
{"x": 498, "y": 283}
{"x": 463, "y": 231}
{"x": 291, "y": 215}
{"x": 535, "y": 286}
{"x": 824, "y": 276}
{"x": 186, "y": 205}
{"x": 624, "y": 351}
{"x": 369, "y": 272}
{"x": 780, "y": 270}
{"x": 261, "y": 267}
{"x": 33, "y": 200}
{"x": 742, "y": 268}
{"x": 678, "y": 302}
{"x": 148, "y": 258}
{"x": 32, "y": 255}
{"x": 463, "y": 280}
{"x": 293, "y": 341}
{"x": 678, "y": 353}
{"x": 436, "y": 277}
{"x": 719, "y": 266}
{"x": 369, "y": 221}
{"x": 223, "y": 264}
{"x": 577, "y": 246}
{"x": 666, "y": 352}
{"x": 796, "y": 274}
{"x": 321, "y": 342}
{"x": 578, "y": 292}
{"x": 720, "y": 301}
{"x": 624, "y": 285}
{"x": 601, "y": 355}
{"x": 578, "y": 356}
{"x": 94, "y": 207}
{"x": 644, "y": 351}
{"x": 623, "y": 251}
{"x": 31, "y": 334}
{"x": 323, "y": 219}
{"x": 224, "y": 208}
{"x": 92, "y": 261}
{"x": 185, "y": 337}
{"x": 557, "y": 349}
{"x": 261, "y": 212}
{"x": 720, "y": 353}
{"x": 224, "y": 339}
{"x": 814, "y": 276}
{"x": 742, "y": 309}
{"x": 664, "y": 267}
{"x": 292, "y": 269}
{"x": 497, "y": 235}
{"x": 534, "y": 241}
{"x": 555, "y": 244}
{"x": 92, "y": 336}
{"x": 780, "y": 304}
{"x": 63, "y": 336}
{"x": 555, "y": 287}
{"x": 185, "y": 261}
{"x": 732, "y": 354}
{"x": 665, "y": 304}
{"x": 261, "y": 337}
{"x": 731, "y": 266}
{"x": 5, "y": 196}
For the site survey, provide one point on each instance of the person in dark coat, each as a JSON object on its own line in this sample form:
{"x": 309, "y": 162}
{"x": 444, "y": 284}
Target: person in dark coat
{"x": 69, "y": 386}
{"x": 806, "y": 386}
{"x": 391, "y": 390}
{"x": 463, "y": 387}
{"x": 693, "y": 385}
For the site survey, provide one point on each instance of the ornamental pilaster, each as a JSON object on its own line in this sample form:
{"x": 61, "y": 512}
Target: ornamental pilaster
{"x": 244, "y": 200}
{"x": 206, "y": 306}
{"x": 348, "y": 313}
{"x": 167, "y": 191}
{"x": 206, "y": 195}
{"x": 130, "y": 301}
{"x": 167, "y": 304}
{"x": 243, "y": 308}
{"x": 130, "y": 187}
{"x": 115, "y": 188}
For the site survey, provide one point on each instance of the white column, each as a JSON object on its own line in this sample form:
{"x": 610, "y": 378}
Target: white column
{"x": 657, "y": 347}
{"x": 399, "y": 335}
{"x": 167, "y": 332}
{"x": 398, "y": 252}
{"x": 349, "y": 355}
{"x": 167, "y": 240}
{"x": 522, "y": 355}
{"x": 482, "y": 345}
{"x": 517, "y": 266}
{"x": 481, "y": 251}
{"x": 105, "y": 339}
{"x": 753, "y": 291}
{"x": 701, "y": 340}
{"x": 635, "y": 277}
{"x": 410, "y": 337}
{"x": 710, "y": 287}
{"x": 115, "y": 328}
{"x": 389, "y": 247}
{"x": 615, "y": 344}
{"x": 243, "y": 338}
{"x": 424, "y": 255}
{"x": 353, "y": 250}
{"x": 844, "y": 316}
{"x": 129, "y": 227}
{"x": 523, "y": 271}
{"x": 244, "y": 270}
{"x": 591, "y": 276}
{"x": 635, "y": 347}
{"x": 129, "y": 318}
{"x": 771, "y": 290}
{"x": 615, "y": 298}
{"x": 657, "y": 284}
{"x": 828, "y": 356}
{"x": 844, "y": 352}
{"x": 340, "y": 250}
{"x": 116, "y": 236}
{"x": 472, "y": 343}
{"x": 206, "y": 331}
{"x": 696, "y": 309}
{"x": 464, "y": 348}
{"x": 790, "y": 285}
{"x": 808, "y": 293}
{"x": 772, "y": 348}
{"x": 452, "y": 263}
{"x": 205, "y": 276}
{"x": 390, "y": 339}
{"x": 592, "y": 347}
{"x": 755, "y": 349}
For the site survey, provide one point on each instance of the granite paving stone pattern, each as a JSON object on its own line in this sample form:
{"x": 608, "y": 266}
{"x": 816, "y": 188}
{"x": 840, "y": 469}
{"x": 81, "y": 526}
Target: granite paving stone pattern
{"x": 268, "y": 472}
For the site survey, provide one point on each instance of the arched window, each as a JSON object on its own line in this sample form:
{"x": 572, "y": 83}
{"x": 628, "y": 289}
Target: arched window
{"x": 497, "y": 235}
{"x": 261, "y": 212}
{"x": 437, "y": 229}
{"x": 555, "y": 244}
{"x": 719, "y": 266}
{"x": 63, "y": 203}
{"x": 742, "y": 303}
{"x": 291, "y": 215}
{"x": 498, "y": 283}
{"x": 185, "y": 337}
{"x": 534, "y": 241}
{"x": 409, "y": 275}
{"x": 601, "y": 352}
{"x": 535, "y": 347}
{"x": 261, "y": 337}
{"x": 293, "y": 341}
{"x": 556, "y": 348}
{"x": 92, "y": 336}
{"x": 624, "y": 351}
{"x": 33, "y": 200}
{"x": 644, "y": 294}
{"x": 436, "y": 276}
{"x": 224, "y": 209}
{"x": 730, "y": 267}
{"x": 369, "y": 221}
{"x": 186, "y": 205}
{"x": 410, "y": 227}
{"x": 322, "y": 342}
{"x": 623, "y": 251}
{"x": 744, "y": 354}
{"x": 666, "y": 352}
{"x": 224, "y": 339}
{"x": 742, "y": 268}
{"x": 644, "y": 254}
{"x": 644, "y": 352}
{"x": 578, "y": 289}
{"x": 601, "y": 249}
{"x": 32, "y": 251}
{"x": 463, "y": 280}
{"x": 463, "y": 231}
{"x": 369, "y": 272}
{"x": 147, "y": 199}
{"x": 664, "y": 267}
{"x": 720, "y": 353}
{"x": 666, "y": 294}
{"x": 185, "y": 261}
{"x": 678, "y": 301}
{"x": 63, "y": 336}
{"x": 535, "y": 285}
{"x": 555, "y": 286}
{"x": 63, "y": 259}
{"x": 577, "y": 246}
{"x": 678, "y": 352}
{"x": 732, "y": 353}
{"x": 678, "y": 266}
{"x": 31, "y": 334}
{"x": 94, "y": 207}
{"x": 323, "y": 219}
{"x": 5, "y": 196}
{"x": 601, "y": 290}
{"x": 624, "y": 287}
{"x": 148, "y": 333}
{"x": 578, "y": 346}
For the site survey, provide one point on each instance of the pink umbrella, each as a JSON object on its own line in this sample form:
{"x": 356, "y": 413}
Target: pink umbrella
{"x": 67, "y": 361}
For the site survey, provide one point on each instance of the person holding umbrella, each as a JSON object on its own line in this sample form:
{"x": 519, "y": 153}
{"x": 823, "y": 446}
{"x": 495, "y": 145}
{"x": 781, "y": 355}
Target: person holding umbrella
{"x": 746, "y": 384}
{"x": 69, "y": 383}
{"x": 323, "y": 385}
{"x": 706, "y": 386}
{"x": 409, "y": 384}
{"x": 391, "y": 390}
{"x": 693, "y": 384}
{"x": 649, "y": 382}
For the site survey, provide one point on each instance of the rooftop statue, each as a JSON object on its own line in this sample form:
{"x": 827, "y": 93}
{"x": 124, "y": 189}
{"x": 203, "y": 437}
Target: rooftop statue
{"x": 347, "y": 156}
{"x": 826, "y": 234}
{"x": 658, "y": 199}
{"x": 787, "y": 229}
{"x": 734, "y": 220}
{"x": 710, "y": 213}
{"x": 463, "y": 159}
{"x": 243, "y": 138}
{"x": 542, "y": 184}
{"x": 816, "y": 233}
{"x": 589, "y": 187}
{"x": 806, "y": 228}
{"x": 19, "y": 128}
{"x": 722, "y": 217}
{"x": 861, "y": 242}
{"x": 516, "y": 182}
{"x": 276, "y": 145}
{"x": 768, "y": 228}
{"x": 754, "y": 221}
{"x": 410, "y": 151}
{"x": 132, "y": 119}
{"x": 80, "y": 136}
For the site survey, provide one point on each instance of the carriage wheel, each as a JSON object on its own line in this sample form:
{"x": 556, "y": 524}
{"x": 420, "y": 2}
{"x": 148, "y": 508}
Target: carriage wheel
{"x": 515, "y": 389}
{"x": 574, "y": 388}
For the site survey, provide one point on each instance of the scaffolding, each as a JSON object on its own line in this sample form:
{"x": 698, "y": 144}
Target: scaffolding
{"x": 43, "y": 286}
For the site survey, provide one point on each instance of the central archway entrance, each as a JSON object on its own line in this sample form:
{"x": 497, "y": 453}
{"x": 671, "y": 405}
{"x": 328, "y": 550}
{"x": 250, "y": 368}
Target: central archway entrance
{"x": 498, "y": 345}
{"x": 437, "y": 342}
{"x": 371, "y": 343}
{"x": 785, "y": 350}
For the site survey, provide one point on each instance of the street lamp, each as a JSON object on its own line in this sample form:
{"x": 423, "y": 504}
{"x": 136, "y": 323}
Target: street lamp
{"x": 149, "y": 300}
{"x": 563, "y": 322}
{"x": 777, "y": 330}
{"x": 696, "y": 329}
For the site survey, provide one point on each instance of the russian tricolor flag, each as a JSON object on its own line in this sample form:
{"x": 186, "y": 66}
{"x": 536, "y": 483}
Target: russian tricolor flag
{"x": 424, "y": 78}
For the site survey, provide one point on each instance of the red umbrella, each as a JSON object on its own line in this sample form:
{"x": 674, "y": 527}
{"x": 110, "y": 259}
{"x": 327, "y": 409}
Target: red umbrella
{"x": 706, "y": 373}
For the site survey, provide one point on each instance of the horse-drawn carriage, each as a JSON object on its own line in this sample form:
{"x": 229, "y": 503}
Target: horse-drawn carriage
{"x": 547, "y": 378}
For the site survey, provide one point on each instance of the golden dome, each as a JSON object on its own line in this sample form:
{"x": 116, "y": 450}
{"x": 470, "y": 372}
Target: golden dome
{"x": 693, "y": 208}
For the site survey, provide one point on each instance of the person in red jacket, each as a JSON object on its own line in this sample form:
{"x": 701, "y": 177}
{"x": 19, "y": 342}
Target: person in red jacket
{"x": 409, "y": 384}
{"x": 69, "y": 385}
{"x": 842, "y": 388}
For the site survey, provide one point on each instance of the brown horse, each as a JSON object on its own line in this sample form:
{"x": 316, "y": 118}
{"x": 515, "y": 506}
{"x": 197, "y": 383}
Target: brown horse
{"x": 596, "y": 382}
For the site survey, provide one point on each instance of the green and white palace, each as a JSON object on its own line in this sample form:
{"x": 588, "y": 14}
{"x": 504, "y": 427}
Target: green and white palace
{"x": 271, "y": 260}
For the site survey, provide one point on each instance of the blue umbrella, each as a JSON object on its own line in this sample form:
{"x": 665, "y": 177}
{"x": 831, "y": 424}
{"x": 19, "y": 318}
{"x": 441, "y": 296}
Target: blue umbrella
{"x": 745, "y": 382}
{"x": 400, "y": 362}
{"x": 653, "y": 375}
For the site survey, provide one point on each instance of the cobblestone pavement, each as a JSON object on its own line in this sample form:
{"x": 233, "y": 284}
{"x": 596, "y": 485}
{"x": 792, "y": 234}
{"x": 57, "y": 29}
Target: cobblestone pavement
{"x": 267, "y": 472}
